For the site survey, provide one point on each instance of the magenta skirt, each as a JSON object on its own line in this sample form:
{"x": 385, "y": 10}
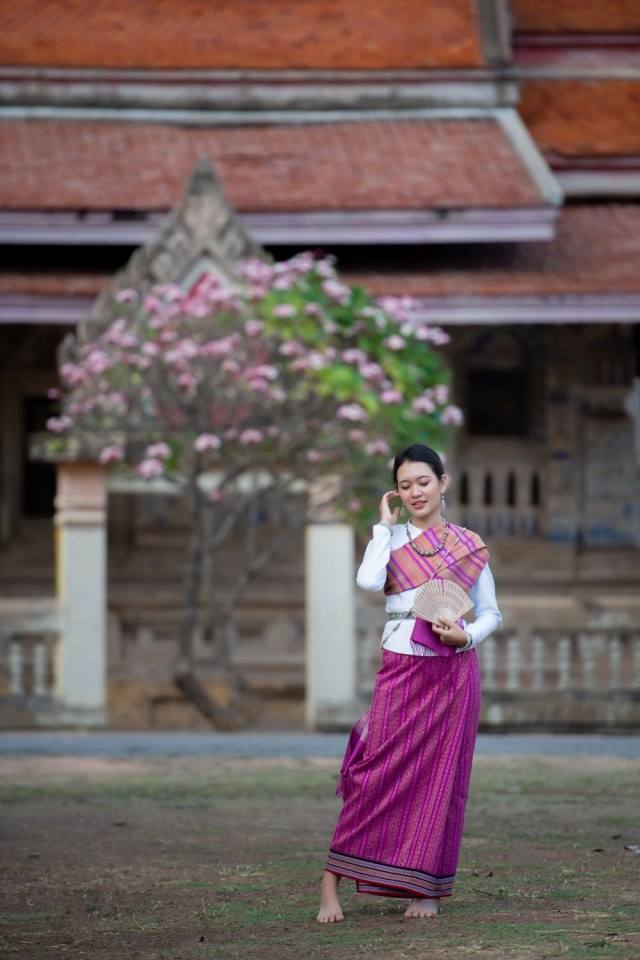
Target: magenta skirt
{"x": 405, "y": 777}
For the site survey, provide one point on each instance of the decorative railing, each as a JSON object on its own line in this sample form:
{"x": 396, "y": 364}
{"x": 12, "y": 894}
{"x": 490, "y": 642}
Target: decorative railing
{"x": 28, "y": 634}
{"x": 502, "y": 500}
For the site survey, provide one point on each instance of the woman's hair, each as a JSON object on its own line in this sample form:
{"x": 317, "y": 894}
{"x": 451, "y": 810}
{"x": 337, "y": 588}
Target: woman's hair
{"x": 419, "y": 453}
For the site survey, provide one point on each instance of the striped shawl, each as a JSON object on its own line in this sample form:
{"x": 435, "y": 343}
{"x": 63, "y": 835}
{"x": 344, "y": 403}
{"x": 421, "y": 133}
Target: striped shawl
{"x": 461, "y": 559}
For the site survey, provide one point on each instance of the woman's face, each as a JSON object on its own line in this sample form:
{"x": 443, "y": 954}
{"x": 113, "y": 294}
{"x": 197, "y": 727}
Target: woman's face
{"x": 419, "y": 487}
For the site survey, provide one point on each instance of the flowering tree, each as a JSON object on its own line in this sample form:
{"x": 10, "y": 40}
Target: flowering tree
{"x": 240, "y": 393}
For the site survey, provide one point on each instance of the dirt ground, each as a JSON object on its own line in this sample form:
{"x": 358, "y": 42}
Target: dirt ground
{"x": 222, "y": 858}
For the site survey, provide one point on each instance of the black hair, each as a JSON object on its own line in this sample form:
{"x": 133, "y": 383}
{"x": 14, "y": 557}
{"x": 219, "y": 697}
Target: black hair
{"x": 419, "y": 453}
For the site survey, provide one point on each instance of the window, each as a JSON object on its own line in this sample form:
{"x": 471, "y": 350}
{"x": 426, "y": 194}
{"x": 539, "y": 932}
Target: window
{"x": 497, "y": 403}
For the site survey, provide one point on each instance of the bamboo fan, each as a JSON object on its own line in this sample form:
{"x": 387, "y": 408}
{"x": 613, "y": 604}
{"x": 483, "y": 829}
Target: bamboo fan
{"x": 441, "y": 598}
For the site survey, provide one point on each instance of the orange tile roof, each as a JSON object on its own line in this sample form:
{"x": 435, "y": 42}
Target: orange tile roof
{"x": 596, "y": 251}
{"x": 245, "y": 34}
{"x": 585, "y": 16}
{"x": 594, "y": 118}
{"x": 408, "y": 164}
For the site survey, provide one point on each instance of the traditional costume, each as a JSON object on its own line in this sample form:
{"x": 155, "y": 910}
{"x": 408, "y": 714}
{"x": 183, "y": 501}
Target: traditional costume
{"x": 406, "y": 769}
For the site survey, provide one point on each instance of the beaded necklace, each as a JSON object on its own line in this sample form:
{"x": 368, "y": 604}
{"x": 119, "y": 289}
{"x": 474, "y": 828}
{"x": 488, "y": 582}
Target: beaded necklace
{"x": 428, "y": 553}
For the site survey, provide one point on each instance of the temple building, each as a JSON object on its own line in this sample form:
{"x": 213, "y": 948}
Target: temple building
{"x": 482, "y": 156}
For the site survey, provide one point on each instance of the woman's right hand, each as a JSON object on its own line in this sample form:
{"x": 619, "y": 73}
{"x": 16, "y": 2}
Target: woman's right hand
{"x": 387, "y": 515}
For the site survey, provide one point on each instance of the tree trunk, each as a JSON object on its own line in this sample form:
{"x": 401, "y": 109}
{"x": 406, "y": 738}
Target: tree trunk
{"x": 241, "y": 709}
{"x": 241, "y": 706}
{"x": 193, "y": 574}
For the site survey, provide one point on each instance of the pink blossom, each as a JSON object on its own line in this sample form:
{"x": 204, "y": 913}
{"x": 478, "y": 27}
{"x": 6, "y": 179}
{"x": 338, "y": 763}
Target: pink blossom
{"x": 216, "y": 348}
{"x": 351, "y": 411}
{"x": 171, "y": 291}
{"x": 423, "y": 404}
{"x": 150, "y": 468}
{"x": 441, "y": 393}
{"x": 215, "y": 495}
{"x": 152, "y": 303}
{"x": 391, "y": 396}
{"x": 187, "y": 381}
{"x": 291, "y": 348}
{"x": 325, "y": 267}
{"x": 185, "y": 349}
{"x": 354, "y": 505}
{"x": 266, "y": 370}
{"x": 398, "y": 308}
{"x": 231, "y": 433}
{"x": 53, "y": 393}
{"x": 97, "y": 361}
{"x": 168, "y": 336}
{"x": 158, "y": 451}
{"x": 151, "y": 348}
{"x": 258, "y": 383}
{"x": 452, "y": 415}
{"x": 377, "y": 446}
{"x": 313, "y": 309}
{"x": 302, "y": 262}
{"x": 317, "y": 360}
{"x": 337, "y": 291}
{"x": 253, "y": 327}
{"x": 114, "y": 401}
{"x": 230, "y": 366}
{"x": 353, "y": 355}
{"x": 284, "y": 282}
{"x": 197, "y": 308}
{"x": 273, "y": 431}
{"x": 207, "y": 441}
{"x": 277, "y": 393}
{"x": 126, "y": 296}
{"x": 257, "y": 270}
{"x": 423, "y": 333}
{"x": 111, "y": 454}
{"x": 251, "y": 436}
{"x": 284, "y": 310}
{"x": 394, "y": 342}
{"x": 439, "y": 337}
{"x": 314, "y": 456}
{"x": 372, "y": 371}
{"x": 356, "y": 435}
{"x": 59, "y": 424}
{"x": 300, "y": 364}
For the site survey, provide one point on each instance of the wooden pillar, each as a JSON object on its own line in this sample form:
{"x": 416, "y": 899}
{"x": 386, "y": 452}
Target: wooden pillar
{"x": 330, "y": 613}
{"x": 80, "y": 668}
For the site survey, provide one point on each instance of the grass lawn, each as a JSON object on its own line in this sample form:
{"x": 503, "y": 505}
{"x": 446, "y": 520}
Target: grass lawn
{"x": 222, "y": 858}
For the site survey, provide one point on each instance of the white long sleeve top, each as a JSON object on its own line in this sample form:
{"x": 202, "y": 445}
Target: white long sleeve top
{"x": 372, "y": 575}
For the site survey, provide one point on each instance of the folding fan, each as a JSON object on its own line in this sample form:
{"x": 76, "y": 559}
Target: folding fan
{"x": 441, "y": 598}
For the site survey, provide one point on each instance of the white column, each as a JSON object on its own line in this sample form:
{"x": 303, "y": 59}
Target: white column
{"x": 80, "y": 667}
{"x": 330, "y": 622}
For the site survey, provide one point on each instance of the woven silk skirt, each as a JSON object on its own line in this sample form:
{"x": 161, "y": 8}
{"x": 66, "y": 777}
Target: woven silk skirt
{"x": 405, "y": 776}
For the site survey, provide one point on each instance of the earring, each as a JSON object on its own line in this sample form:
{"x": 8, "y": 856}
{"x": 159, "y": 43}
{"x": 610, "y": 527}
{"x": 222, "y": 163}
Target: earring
{"x": 443, "y": 503}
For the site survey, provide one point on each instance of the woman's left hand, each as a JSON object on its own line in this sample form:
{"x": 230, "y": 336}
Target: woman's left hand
{"x": 449, "y": 632}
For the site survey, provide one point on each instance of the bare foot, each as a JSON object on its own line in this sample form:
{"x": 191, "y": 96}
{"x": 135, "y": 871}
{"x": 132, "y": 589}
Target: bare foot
{"x": 423, "y": 907}
{"x": 330, "y": 909}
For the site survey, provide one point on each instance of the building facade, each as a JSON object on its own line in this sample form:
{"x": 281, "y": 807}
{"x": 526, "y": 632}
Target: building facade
{"x": 480, "y": 155}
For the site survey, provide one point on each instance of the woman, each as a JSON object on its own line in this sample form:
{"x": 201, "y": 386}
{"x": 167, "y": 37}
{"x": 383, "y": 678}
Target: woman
{"x": 406, "y": 769}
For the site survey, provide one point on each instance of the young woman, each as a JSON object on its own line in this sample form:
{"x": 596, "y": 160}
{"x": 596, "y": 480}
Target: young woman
{"x": 406, "y": 769}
